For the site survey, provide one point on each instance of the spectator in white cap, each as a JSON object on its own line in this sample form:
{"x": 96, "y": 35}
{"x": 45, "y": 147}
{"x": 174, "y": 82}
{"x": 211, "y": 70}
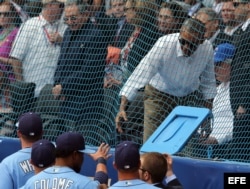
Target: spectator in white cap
{"x": 127, "y": 163}
{"x": 70, "y": 150}
{"x": 222, "y": 112}
{"x": 16, "y": 168}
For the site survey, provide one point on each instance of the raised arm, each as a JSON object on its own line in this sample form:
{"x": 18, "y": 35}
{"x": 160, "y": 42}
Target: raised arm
{"x": 16, "y": 65}
{"x": 101, "y": 156}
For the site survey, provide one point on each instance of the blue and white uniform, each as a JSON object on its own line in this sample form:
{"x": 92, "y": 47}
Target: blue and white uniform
{"x": 60, "y": 177}
{"x": 135, "y": 183}
{"x": 15, "y": 169}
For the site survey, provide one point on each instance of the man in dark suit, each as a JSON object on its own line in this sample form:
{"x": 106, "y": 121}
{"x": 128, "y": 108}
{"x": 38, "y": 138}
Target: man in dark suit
{"x": 116, "y": 31}
{"x": 239, "y": 85}
{"x": 156, "y": 169}
{"x": 80, "y": 69}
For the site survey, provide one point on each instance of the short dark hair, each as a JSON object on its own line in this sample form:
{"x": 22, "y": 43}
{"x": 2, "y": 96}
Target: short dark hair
{"x": 156, "y": 165}
{"x": 177, "y": 11}
{"x": 212, "y": 15}
{"x": 194, "y": 26}
{"x": 145, "y": 11}
{"x": 82, "y": 5}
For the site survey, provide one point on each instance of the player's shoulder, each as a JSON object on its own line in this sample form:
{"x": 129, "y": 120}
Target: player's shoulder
{"x": 18, "y": 156}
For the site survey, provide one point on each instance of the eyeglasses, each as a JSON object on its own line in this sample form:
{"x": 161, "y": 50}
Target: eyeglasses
{"x": 5, "y": 14}
{"x": 72, "y": 18}
{"x": 236, "y": 4}
{"x": 143, "y": 170}
{"x": 190, "y": 44}
{"x": 164, "y": 17}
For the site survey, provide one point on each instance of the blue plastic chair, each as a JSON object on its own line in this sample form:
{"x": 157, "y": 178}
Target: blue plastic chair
{"x": 175, "y": 131}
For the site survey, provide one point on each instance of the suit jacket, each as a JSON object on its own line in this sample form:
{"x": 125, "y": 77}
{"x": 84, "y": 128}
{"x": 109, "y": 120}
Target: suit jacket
{"x": 173, "y": 184}
{"x": 222, "y": 38}
{"x": 80, "y": 71}
{"x": 109, "y": 27}
{"x": 240, "y": 70}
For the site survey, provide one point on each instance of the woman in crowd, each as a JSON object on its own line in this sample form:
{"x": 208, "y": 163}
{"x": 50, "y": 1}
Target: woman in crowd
{"x": 7, "y": 35}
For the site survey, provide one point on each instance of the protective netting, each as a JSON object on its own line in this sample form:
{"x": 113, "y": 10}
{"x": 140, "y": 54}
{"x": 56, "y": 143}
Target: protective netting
{"x": 72, "y": 63}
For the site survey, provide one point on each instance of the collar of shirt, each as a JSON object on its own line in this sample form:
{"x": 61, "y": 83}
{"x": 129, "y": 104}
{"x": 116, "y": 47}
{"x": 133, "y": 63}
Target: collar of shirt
{"x": 59, "y": 169}
{"x": 170, "y": 178}
{"x": 124, "y": 183}
{"x": 231, "y": 32}
{"x": 26, "y": 150}
{"x": 194, "y": 9}
{"x": 121, "y": 22}
{"x": 46, "y": 23}
{"x": 180, "y": 52}
{"x": 214, "y": 36}
{"x": 245, "y": 25}
{"x": 178, "y": 49}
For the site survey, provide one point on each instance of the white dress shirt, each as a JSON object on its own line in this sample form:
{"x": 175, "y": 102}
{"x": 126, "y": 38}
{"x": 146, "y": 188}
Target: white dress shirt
{"x": 168, "y": 70}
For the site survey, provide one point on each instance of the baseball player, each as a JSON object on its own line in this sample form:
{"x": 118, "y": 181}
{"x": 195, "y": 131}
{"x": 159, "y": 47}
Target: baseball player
{"x": 16, "y": 168}
{"x": 70, "y": 149}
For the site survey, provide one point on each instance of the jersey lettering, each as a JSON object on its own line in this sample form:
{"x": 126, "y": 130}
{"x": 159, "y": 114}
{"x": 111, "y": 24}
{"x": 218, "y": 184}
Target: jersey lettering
{"x": 26, "y": 166}
{"x": 57, "y": 183}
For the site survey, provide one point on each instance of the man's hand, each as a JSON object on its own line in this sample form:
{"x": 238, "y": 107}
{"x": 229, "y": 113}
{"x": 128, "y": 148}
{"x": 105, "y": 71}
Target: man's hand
{"x": 103, "y": 151}
{"x": 56, "y": 91}
{"x": 121, "y": 115}
{"x": 16, "y": 65}
{"x": 206, "y": 129}
{"x": 169, "y": 165}
{"x": 55, "y": 38}
{"x": 119, "y": 119}
{"x": 108, "y": 83}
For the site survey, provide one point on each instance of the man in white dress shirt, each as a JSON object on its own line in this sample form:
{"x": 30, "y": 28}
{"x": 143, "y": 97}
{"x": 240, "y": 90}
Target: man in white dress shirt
{"x": 178, "y": 70}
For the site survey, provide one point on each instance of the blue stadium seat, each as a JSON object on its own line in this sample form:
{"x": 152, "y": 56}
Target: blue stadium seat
{"x": 8, "y": 146}
{"x": 175, "y": 131}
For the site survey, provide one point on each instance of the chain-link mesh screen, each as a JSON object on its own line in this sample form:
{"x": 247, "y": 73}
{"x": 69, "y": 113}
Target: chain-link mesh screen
{"x": 71, "y": 62}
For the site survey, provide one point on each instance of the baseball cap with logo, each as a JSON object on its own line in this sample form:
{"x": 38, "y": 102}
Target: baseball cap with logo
{"x": 43, "y": 153}
{"x": 127, "y": 155}
{"x": 223, "y": 52}
{"x": 72, "y": 141}
{"x": 30, "y": 124}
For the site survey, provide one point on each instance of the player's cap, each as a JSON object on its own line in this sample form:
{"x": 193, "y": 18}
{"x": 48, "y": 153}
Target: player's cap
{"x": 224, "y": 52}
{"x": 51, "y": 1}
{"x": 43, "y": 153}
{"x": 30, "y": 124}
{"x": 72, "y": 141}
{"x": 127, "y": 155}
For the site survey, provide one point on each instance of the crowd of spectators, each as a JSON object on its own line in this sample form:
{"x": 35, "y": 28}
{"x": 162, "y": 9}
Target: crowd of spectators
{"x": 117, "y": 68}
